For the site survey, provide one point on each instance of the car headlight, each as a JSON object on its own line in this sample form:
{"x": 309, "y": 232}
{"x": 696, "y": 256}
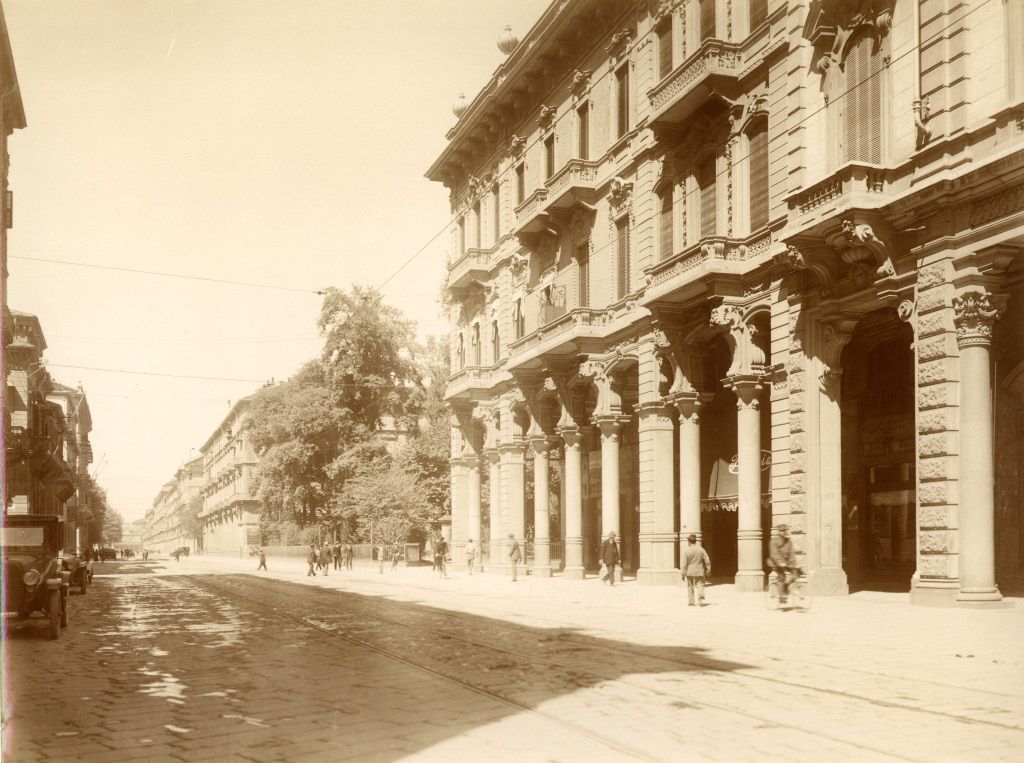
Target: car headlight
{"x": 31, "y": 577}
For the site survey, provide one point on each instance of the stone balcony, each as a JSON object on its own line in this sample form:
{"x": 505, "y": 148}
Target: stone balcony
{"x": 578, "y": 330}
{"x": 713, "y": 70}
{"x": 575, "y": 182}
{"x": 531, "y": 215}
{"x": 473, "y": 382}
{"x": 853, "y": 186}
{"x": 472, "y": 266}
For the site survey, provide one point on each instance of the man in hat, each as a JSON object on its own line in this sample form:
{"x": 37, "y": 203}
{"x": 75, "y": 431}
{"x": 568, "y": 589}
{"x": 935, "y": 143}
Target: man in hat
{"x": 696, "y": 566}
{"x": 610, "y": 556}
{"x": 783, "y": 560}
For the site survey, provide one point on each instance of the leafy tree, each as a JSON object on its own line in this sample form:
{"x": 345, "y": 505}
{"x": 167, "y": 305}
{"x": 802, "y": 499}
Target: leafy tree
{"x": 384, "y": 503}
{"x": 190, "y": 521}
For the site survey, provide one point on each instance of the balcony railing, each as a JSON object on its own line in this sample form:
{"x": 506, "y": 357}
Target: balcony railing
{"x": 567, "y": 324}
{"x": 473, "y": 265}
{"x": 716, "y": 65}
{"x": 530, "y": 215}
{"x": 710, "y": 250}
{"x": 576, "y": 181}
{"x": 864, "y": 186}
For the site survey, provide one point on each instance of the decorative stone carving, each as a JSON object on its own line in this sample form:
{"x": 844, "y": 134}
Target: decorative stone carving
{"x": 619, "y": 192}
{"x": 740, "y": 336}
{"x": 974, "y": 314}
{"x": 921, "y": 107}
{"x": 516, "y": 145}
{"x": 546, "y": 117}
{"x": 619, "y": 45}
{"x": 837, "y": 22}
{"x": 580, "y": 85}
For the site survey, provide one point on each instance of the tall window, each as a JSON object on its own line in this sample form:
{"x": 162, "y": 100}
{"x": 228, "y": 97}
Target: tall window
{"x": 583, "y": 131}
{"x": 665, "y": 48}
{"x": 861, "y": 104}
{"x": 476, "y": 344}
{"x": 549, "y": 156}
{"x": 757, "y": 139}
{"x": 461, "y": 352}
{"x": 496, "y": 208}
{"x": 477, "y": 225}
{"x": 707, "y": 19}
{"x": 518, "y": 320}
{"x": 758, "y": 13}
{"x": 583, "y": 263}
{"x": 706, "y": 184}
{"x": 623, "y": 265}
{"x": 462, "y": 235}
{"x": 665, "y": 231}
{"x": 520, "y": 183}
{"x": 622, "y": 100}
{"x": 495, "y": 343}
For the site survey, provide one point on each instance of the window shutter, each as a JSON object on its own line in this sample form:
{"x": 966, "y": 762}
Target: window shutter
{"x": 708, "y": 212}
{"x": 758, "y": 13}
{"x": 497, "y": 213}
{"x": 622, "y": 80}
{"x": 549, "y": 157}
{"x": 862, "y": 97}
{"x": 707, "y": 19}
{"x": 665, "y": 229}
{"x": 495, "y": 342}
{"x": 520, "y": 183}
{"x": 665, "y": 49}
{"x": 583, "y": 262}
{"x": 583, "y": 114}
{"x": 477, "y": 226}
{"x": 622, "y": 258}
{"x": 758, "y": 163}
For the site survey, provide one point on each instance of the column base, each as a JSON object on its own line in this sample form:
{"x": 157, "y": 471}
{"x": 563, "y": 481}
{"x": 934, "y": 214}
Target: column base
{"x": 982, "y": 598}
{"x": 574, "y": 573}
{"x": 648, "y": 576}
{"x": 750, "y": 581}
{"x": 828, "y": 581}
{"x": 541, "y": 571}
{"x": 933, "y": 593}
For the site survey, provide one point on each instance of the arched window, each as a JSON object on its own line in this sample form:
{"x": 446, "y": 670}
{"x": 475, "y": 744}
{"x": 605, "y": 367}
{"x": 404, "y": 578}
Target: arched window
{"x": 623, "y": 263}
{"x": 495, "y": 342}
{"x": 461, "y": 352}
{"x": 477, "y": 224}
{"x": 757, "y": 168}
{"x": 476, "y": 344}
{"x": 666, "y": 242}
{"x": 860, "y": 100}
{"x": 518, "y": 320}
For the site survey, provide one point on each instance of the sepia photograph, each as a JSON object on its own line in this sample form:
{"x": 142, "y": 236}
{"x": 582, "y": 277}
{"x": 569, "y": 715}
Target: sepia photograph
{"x": 512, "y": 380}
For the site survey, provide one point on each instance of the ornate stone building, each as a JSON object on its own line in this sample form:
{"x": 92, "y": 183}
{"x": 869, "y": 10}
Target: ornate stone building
{"x": 167, "y": 526}
{"x": 738, "y": 264}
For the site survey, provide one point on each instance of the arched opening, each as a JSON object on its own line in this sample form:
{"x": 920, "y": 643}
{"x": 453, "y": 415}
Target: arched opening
{"x": 879, "y": 500}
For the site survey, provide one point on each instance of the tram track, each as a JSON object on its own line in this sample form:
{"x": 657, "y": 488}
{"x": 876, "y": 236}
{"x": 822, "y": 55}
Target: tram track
{"x": 332, "y": 622}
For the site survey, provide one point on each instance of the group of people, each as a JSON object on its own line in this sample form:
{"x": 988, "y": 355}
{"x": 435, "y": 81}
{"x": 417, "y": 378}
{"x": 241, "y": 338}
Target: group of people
{"x": 321, "y": 558}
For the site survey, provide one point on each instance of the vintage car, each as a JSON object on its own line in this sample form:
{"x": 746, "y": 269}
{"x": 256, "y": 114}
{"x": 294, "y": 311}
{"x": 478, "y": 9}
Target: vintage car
{"x": 34, "y": 576}
{"x": 80, "y": 569}
{"x": 106, "y": 554}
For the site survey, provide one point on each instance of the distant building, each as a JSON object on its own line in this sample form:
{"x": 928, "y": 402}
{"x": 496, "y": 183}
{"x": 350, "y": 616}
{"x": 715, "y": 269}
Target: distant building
{"x": 77, "y": 452}
{"x": 172, "y": 522}
{"x": 231, "y": 509}
{"x": 745, "y": 264}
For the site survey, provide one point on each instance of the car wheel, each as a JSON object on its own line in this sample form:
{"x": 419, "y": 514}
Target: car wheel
{"x": 53, "y": 610}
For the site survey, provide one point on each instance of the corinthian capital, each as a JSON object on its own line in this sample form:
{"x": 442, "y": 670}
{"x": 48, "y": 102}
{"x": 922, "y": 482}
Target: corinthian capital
{"x": 974, "y": 314}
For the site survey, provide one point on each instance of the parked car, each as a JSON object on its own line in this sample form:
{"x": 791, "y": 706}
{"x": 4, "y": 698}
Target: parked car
{"x": 107, "y": 553}
{"x": 183, "y": 551}
{"x": 80, "y": 569}
{"x": 34, "y": 576}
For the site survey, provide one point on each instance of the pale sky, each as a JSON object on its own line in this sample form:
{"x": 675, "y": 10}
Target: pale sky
{"x": 277, "y": 142}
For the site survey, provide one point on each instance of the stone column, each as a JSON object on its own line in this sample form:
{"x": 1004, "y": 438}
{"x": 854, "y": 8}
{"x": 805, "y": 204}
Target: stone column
{"x": 750, "y": 572}
{"x": 494, "y": 525}
{"x": 514, "y": 458}
{"x": 688, "y": 404}
{"x": 541, "y": 506}
{"x": 572, "y": 510}
{"x": 657, "y": 474}
{"x": 974, "y": 314}
{"x": 459, "y": 502}
{"x": 611, "y": 521}
{"x": 472, "y": 462}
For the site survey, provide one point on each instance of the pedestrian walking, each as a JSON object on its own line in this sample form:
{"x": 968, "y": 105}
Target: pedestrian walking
{"x": 440, "y": 554}
{"x": 515, "y": 555}
{"x": 610, "y": 557}
{"x": 349, "y": 553}
{"x": 470, "y": 555}
{"x": 311, "y": 559}
{"x": 336, "y": 553}
{"x": 325, "y": 559}
{"x": 696, "y": 567}
{"x": 396, "y": 556}
{"x": 263, "y": 561}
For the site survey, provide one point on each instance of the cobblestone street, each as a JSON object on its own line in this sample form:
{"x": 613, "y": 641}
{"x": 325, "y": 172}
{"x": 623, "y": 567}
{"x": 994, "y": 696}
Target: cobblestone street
{"x": 202, "y": 659}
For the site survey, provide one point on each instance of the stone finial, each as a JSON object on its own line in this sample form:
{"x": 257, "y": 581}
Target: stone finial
{"x": 460, "y": 106}
{"x": 507, "y": 40}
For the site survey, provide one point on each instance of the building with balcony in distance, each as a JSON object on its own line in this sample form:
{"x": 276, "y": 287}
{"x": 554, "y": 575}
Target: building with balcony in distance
{"x": 743, "y": 264}
{"x": 173, "y": 520}
{"x": 231, "y": 508}
{"x": 77, "y": 454}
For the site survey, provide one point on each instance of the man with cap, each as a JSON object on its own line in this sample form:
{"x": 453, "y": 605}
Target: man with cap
{"x": 696, "y": 566}
{"x": 783, "y": 560}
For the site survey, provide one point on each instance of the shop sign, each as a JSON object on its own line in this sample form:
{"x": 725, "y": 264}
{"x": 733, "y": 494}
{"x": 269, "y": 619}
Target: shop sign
{"x": 766, "y": 462}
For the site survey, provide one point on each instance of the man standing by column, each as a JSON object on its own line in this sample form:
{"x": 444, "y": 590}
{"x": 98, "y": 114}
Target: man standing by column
{"x": 610, "y": 556}
{"x": 515, "y": 555}
{"x": 696, "y": 566}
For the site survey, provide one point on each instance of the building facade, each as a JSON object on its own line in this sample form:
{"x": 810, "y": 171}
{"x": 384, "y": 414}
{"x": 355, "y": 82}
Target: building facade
{"x": 76, "y": 450}
{"x": 743, "y": 264}
{"x": 169, "y": 524}
{"x": 231, "y": 508}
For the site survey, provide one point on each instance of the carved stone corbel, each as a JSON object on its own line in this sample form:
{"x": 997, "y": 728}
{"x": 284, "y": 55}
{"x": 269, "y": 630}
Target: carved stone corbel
{"x": 747, "y": 357}
{"x": 865, "y": 253}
